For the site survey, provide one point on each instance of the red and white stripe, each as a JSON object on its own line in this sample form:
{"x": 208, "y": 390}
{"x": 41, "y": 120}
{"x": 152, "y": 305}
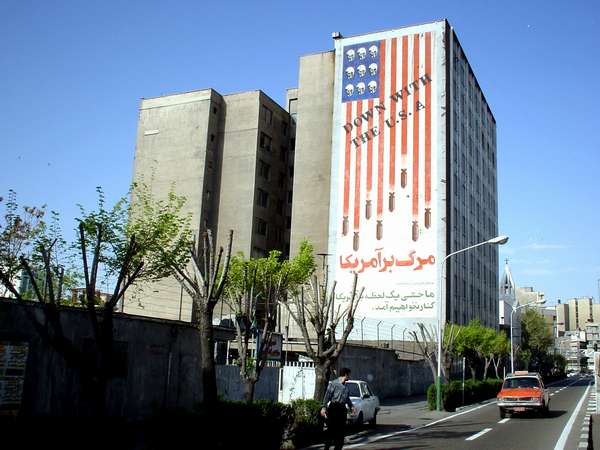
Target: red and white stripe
{"x": 372, "y": 169}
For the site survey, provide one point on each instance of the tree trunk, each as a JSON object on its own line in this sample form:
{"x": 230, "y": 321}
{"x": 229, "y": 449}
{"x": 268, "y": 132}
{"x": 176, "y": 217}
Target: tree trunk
{"x": 249, "y": 385}
{"x": 322, "y": 374}
{"x": 485, "y": 368}
{"x": 209, "y": 375}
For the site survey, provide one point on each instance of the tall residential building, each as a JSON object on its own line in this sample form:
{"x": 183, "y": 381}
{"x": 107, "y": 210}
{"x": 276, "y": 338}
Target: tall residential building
{"x": 395, "y": 169}
{"x": 562, "y": 319}
{"x": 582, "y": 311}
{"x": 231, "y": 156}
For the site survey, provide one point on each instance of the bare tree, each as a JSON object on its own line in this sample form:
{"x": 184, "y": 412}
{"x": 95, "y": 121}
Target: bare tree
{"x": 427, "y": 342}
{"x": 312, "y": 308}
{"x": 204, "y": 280}
{"x": 95, "y": 372}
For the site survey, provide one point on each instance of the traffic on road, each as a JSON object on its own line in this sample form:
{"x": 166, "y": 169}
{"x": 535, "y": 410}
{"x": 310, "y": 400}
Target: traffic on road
{"x": 565, "y": 425}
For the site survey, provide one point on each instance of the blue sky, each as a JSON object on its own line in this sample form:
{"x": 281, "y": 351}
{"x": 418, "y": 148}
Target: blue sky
{"x": 72, "y": 75}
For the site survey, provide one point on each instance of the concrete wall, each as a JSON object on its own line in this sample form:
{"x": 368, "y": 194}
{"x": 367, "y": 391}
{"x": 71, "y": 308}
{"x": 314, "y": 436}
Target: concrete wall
{"x": 385, "y": 373}
{"x": 231, "y": 388}
{"x": 163, "y": 367}
{"x": 162, "y": 364}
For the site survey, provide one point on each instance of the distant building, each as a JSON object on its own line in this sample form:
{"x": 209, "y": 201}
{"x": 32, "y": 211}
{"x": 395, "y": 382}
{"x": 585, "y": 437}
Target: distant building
{"x": 576, "y": 314}
{"x": 231, "y": 156}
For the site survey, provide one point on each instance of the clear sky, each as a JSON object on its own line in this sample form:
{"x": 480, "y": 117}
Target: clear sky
{"x": 72, "y": 75}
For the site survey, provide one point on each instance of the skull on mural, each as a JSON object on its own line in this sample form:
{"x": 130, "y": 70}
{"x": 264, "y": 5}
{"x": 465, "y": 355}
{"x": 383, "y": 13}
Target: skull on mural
{"x": 362, "y": 70}
{"x": 372, "y": 86}
{"x": 373, "y": 51}
{"x": 362, "y": 53}
{"x": 360, "y": 87}
{"x": 349, "y": 90}
{"x": 350, "y": 54}
{"x": 350, "y": 72}
{"x": 373, "y": 69}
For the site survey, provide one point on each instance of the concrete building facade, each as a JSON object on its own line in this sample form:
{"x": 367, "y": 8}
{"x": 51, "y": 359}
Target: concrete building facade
{"x": 466, "y": 201}
{"x": 231, "y": 156}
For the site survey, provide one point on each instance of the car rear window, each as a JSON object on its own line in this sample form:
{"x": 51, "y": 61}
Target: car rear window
{"x": 525, "y": 382}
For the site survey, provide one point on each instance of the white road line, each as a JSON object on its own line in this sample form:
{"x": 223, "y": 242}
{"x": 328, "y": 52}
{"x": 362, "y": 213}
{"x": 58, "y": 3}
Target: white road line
{"x": 560, "y": 444}
{"x": 410, "y": 430}
{"x": 504, "y": 420}
{"x": 481, "y": 433}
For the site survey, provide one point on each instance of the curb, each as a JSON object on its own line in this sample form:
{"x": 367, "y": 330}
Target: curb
{"x": 472, "y": 405}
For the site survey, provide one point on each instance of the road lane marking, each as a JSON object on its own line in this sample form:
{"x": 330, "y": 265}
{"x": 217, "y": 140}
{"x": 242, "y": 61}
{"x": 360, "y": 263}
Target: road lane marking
{"x": 481, "y": 433}
{"x": 562, "y": 440}
{"x": 504, "y": 420}
{"x": 427, "y": 425}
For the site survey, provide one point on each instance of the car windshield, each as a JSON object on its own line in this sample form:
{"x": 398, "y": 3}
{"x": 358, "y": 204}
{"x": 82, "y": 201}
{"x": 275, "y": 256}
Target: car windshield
{"x": 353, "y": 389}
{"x": 525, "y": 382}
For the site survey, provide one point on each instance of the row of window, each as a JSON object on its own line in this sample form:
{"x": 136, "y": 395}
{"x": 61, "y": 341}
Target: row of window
{"x": 262, "y": 199}
{"x": 267, "y": 118}
{"x": 269, "y": 230}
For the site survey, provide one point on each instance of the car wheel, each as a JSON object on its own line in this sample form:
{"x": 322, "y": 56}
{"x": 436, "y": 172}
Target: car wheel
{"x": 373, "y": 421}
{"x": 502, "y": 413}
{"x": 359, "y": 420}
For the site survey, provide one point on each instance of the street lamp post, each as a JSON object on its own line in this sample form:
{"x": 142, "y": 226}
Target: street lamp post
{"x": 539, "y": 301}
{"x": 498, "y": 240}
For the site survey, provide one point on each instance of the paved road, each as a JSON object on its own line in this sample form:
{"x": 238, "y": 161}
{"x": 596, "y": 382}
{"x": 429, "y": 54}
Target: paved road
{"x": 482, "y": 428}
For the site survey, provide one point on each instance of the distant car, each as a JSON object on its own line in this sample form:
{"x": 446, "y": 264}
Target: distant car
{"x": 366, "y": 403}
{"x": 523, "y": 391}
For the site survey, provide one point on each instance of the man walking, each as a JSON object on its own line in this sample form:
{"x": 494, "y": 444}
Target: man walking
{"x": 337, "y": 397}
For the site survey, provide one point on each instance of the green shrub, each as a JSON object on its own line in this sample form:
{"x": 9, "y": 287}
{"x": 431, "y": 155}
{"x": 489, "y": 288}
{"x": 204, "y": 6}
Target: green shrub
{"x": 452, "y": 393}
{"x": 308, "y": 424}
{"x": 226, "y": 425}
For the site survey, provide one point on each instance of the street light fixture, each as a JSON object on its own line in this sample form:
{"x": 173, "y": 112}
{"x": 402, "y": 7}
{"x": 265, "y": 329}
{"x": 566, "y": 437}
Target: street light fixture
{"x": 498, "y": 240}
{"x": 539, "y": 301}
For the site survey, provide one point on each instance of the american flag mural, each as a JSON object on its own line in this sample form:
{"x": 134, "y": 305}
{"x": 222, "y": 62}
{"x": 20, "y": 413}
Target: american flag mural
{"x": 387, "y": 169}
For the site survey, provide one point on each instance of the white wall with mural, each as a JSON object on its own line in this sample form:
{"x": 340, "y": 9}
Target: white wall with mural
{"x": 388, "y": 170}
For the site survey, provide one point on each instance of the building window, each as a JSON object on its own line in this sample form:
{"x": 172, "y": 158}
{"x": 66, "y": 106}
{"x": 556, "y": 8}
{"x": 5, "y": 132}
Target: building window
{"x": 283, "y": 154}
{"x": 265, "y": 141}
{"x": 264, "y": 169}
{"x": 263, "y": 198}
{"x": 289, "y": 196}
{"x": 280, "y": 207}
{"x": 212, "y": 138}
{"x": 267, "y": 115}
{"x": 258, "y": 252}
{"x": 261, "y": 227}
{"x": 284, "y": 128}
{"x": 281, "y": 181}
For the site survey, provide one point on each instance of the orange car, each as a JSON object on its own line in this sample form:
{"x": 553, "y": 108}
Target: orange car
{"x": 523, "y": 391}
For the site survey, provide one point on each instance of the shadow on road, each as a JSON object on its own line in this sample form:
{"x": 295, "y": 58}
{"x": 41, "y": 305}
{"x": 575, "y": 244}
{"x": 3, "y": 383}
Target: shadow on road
{"x": 531, "y": 415}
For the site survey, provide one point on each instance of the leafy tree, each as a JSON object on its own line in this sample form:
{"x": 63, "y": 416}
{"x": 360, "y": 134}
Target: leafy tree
{"x": 105, "y": 242}
{"x": 253, "y": 290}
{"x": 18, "y": 232}
{"x": 203, "y": 278}
{"x": 500, "y": 349}
{"x": 468, "y": 345}
{"x": 536, "y": 339}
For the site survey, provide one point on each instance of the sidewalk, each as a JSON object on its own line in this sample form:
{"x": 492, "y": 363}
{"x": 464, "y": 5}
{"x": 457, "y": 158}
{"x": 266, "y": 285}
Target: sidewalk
{"x": 396, "y": 414}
